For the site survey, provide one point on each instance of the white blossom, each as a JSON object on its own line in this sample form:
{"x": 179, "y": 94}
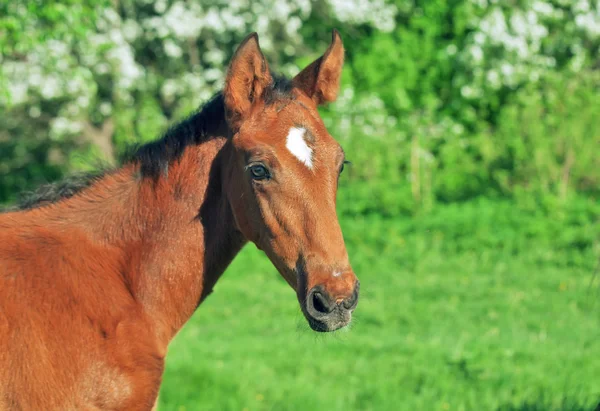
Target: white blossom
{"x": 34, "y": 112}
{"x": 50, "y": 87}
{"x": 61, "y": 126}
{"x": 506, "y": 47}
{"x": 172, "y": 49}
{"x": 105, "y": 108}
{"x": 376, "y": 12}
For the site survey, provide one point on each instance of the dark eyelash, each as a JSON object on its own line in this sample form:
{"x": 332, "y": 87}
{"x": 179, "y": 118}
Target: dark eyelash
{"x": 345, "y": 162}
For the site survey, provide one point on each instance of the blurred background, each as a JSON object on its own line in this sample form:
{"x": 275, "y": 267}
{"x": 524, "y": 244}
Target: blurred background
{"x": 471, "y": 210}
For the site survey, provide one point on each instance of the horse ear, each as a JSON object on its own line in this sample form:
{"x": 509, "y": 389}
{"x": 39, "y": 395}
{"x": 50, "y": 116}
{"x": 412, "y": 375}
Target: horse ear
{"x": 247, "y": 78}
{"x": 321, "y": 79}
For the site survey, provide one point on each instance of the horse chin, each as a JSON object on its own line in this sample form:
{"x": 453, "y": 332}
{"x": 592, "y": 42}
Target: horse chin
{"x": 326, "y": 325}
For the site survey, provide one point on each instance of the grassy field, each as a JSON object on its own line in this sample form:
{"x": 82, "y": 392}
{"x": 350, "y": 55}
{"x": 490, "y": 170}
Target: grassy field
{"x": 479, "y": 306}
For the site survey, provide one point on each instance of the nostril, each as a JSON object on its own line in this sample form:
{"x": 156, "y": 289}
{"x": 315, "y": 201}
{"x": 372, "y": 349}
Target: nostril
{"x": 320, "y": 303}
{"x": 351, "y": 302}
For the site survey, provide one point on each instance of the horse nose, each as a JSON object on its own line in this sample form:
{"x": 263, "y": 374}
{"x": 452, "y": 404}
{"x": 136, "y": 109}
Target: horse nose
{"x": 320, "y": 304}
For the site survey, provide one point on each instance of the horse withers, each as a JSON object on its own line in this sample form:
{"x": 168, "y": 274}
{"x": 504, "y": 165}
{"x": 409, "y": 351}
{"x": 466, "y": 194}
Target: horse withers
{"x": 95, "y": 282}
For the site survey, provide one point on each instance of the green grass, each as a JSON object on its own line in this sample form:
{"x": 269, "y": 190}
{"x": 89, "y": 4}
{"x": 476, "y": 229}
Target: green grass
{"x": 475, "y": 307}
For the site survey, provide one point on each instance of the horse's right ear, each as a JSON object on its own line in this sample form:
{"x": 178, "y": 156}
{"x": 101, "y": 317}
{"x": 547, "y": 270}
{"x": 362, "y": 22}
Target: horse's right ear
{"x": 247, "y": 78}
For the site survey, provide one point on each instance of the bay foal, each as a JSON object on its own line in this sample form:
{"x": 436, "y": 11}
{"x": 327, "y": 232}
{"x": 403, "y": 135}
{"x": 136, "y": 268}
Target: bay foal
{"x": 95, "y": 284}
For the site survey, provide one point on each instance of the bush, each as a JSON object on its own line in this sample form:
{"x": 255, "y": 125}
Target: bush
{"x": 548, "y": 136}
{"x": 443, "y": 100}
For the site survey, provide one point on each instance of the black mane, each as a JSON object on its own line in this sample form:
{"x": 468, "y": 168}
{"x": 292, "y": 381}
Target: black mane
{"x": 54, "y": 192}
{"x": 154, "y": 157}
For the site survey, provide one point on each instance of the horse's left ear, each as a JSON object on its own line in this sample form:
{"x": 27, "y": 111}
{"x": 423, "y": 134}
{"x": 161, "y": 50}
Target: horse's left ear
{"x": 247, "y": 78}
{"x": 321, "y": 79}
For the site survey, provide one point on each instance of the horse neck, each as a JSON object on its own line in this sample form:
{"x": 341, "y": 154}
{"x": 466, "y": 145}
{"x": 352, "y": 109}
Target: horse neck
{"x": 174, "y": 235}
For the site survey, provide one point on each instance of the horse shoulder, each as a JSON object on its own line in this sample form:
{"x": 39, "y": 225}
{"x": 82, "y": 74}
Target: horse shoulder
{"x": 68, "y": 323}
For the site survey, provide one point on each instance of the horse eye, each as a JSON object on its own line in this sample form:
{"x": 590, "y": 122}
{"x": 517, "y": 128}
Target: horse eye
{"x": 344, "y": 163}
{"x": 259, "y": 172}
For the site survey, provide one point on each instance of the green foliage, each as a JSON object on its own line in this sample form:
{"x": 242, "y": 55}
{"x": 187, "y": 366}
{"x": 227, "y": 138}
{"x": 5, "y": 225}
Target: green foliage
{"x": 25, "y": 24}
{"x": 29, "y": 154}
{"x": 26, "y": 162}
{"x": 550, "y": 133}
{"x": 541, "y": 151}
{"x": 443, "y": 100}
{"x": 525, "y": 130}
